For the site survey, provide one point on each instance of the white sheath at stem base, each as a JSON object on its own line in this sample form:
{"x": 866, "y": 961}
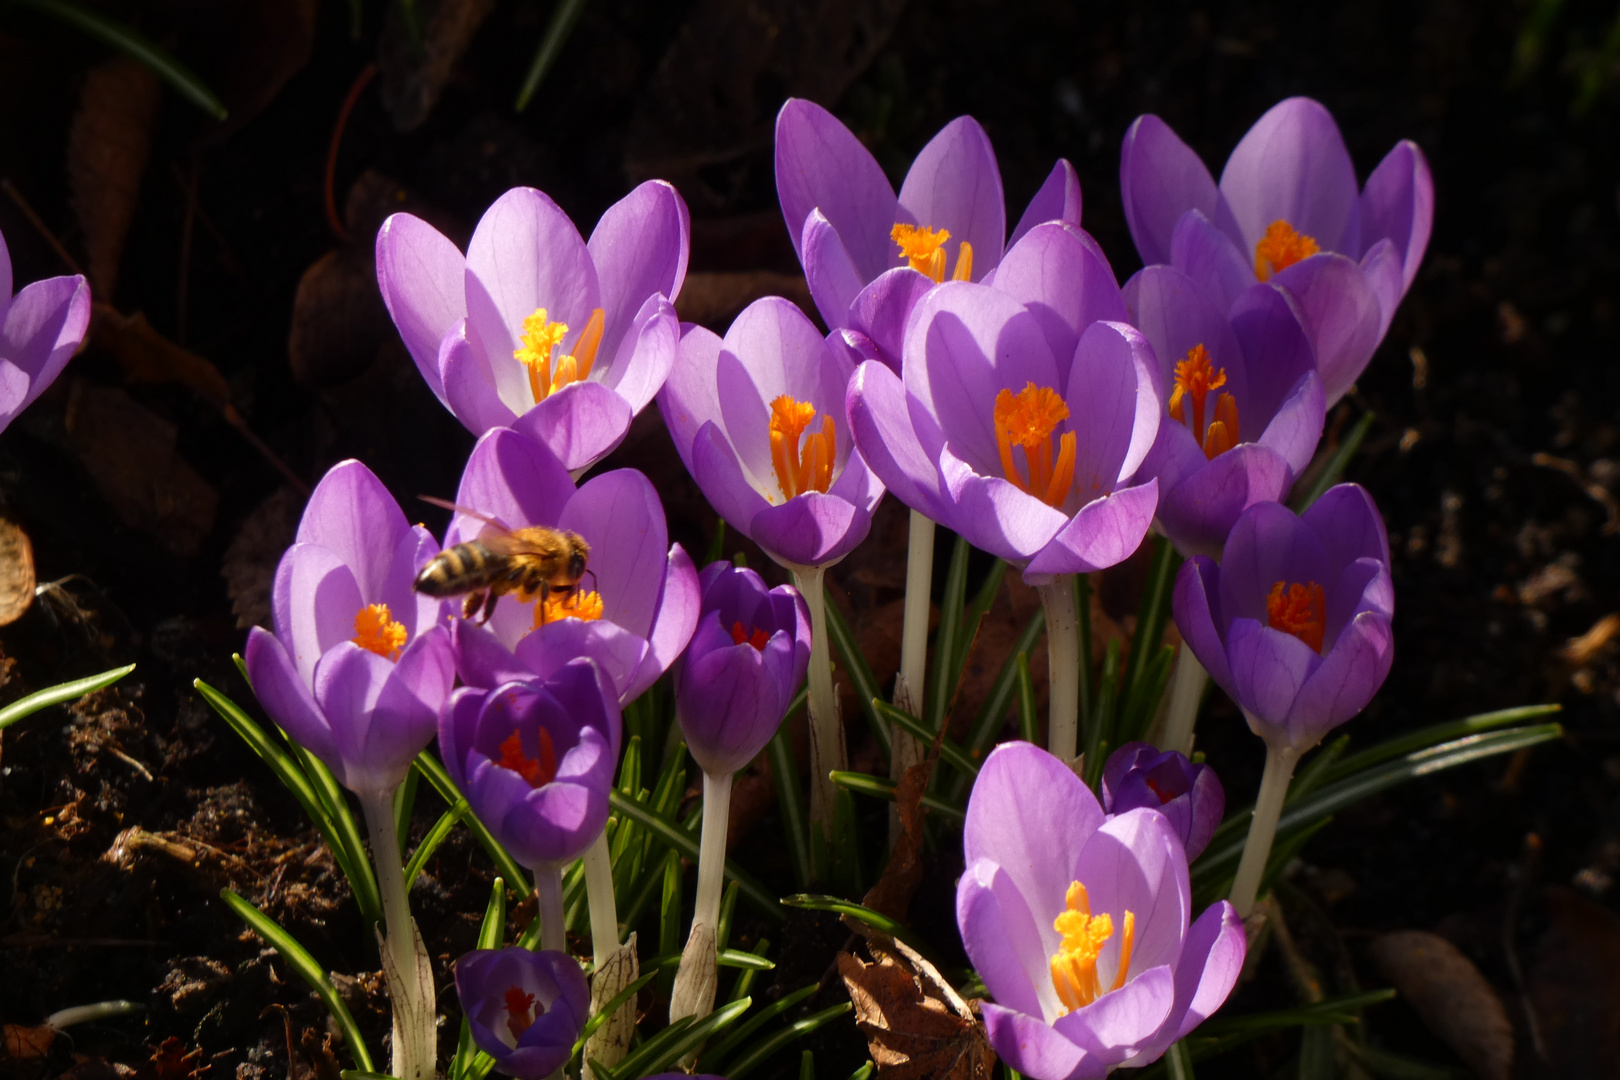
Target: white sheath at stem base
{"x": 904, "y": 750}
{"x": 599, "y": 894}
{"x": 549, "y": 898}
{"x": 1268, "y": 806}
{"x": 405, "y": 963}
{"x": 1063, "y": 663}
{"x": 1181, "y": 709}
{"x": 698, "y": 977}
{"x": 826, "y": 728}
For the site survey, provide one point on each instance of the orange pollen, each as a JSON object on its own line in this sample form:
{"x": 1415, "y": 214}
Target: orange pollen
{"x": 520, "y": 1010}
{"x": 537, "y": 771}
{"x": 924, "y": 250}
{"x": 801, "y": 468}
{"x": 1281, "y": 248}
{"x": 1074, "y": 965}
{"x": 1300, "y": 610}
{"x": 541, "y": 337}
{"x": 1164, "y": 796}
{"x": 1027, "y": 419}
{"x": 375, "y": 630}
{"x": 1196, "y": 376}
{"x": 757, "y": 638}
{"x": 568, "y": 604}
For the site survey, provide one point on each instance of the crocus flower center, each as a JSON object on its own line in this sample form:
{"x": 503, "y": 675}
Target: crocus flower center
{"x": 752, "y": 635}
{"x": 1196, "y": 376}
{"x": 1281, "y": 248}
{"x": 375, "y": 630}
{"x": 521, "y": 1011}
{"x": 568, "y": 604}
{"x": 1300, "y": 610}
{"x": 538, "y": 771}
{"x": 1074, "y": 966}
{"x": 801, "y": 468}
{"x": 924, "y": 249}
{"x": 542, "y": 337}
{"x": 1027, "y": 419}
{"x": 1164, "y": 796}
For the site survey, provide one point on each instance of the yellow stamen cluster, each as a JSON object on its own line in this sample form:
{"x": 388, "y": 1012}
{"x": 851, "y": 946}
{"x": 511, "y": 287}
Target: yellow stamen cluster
{"x": 924, "y": 250}
{"x": 1300, "y": 610}
{"x": 568, "y": 604}
{"x": 1280, "y": 248}
{"x": 1196, "y": 376}
{"x": 801, "y": 468}
{"x": 1027, "y": 419}
{"x": 376, "y": 631}
{"x": 541, "y": 337}
{"x": 1074, "y": 965}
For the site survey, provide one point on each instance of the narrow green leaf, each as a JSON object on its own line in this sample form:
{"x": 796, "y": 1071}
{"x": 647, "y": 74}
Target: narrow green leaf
{"x": 1029, "y": 728}
{"x": 1082, "y": 611}
{"x": 1150, "y": 620}
{"x": 761, "y": 1053}
{"x": 1002, "y": 696}
{"x": 863, "y": 1073}
{"x": 948, "y": 750}
{"x": 308, "y": 970}
{"x": 630, "y": 767}
{"x": 717, "y": 546}
{"x": 563, "y": 18}
{"x": 404, "y": 806}
{"x": 1329, "y": 465}
{"x": 347, "y": 828}
{"x": 846, "y": 850}
{"x": 505, "y": 865}
{"x": 858, "y": 670}
{"x": 1435, "y": 734}
{"x": 56, "y": 695}
{"x": 1310, "y": 777}
{"x": 669, "y": 911}
{"x": 716, "y": 1054}
{"x": 1099, "y": 739}
{"x": 876, "y": 920}
{"x": 728, "y": 907}
{"x": 1178, "y": 1062}
{"x": 679, "y": 1039}
{"x": 968, "y": 633}
{"x": 1346, "y": 1009}
{"x": 430, "y": 843}
{"x": 1143, "y": 707}
{"x": 881, "y": 787}
{"x": 608, "y": 1008}
{"x": 807, "y": 1066}
{"x": 790, "y": 799}
{"x": 745, "y": 978}
{"x": 941, "y": 688}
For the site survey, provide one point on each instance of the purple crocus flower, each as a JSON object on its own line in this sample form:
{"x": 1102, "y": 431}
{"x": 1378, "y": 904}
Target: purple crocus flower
{"x": 564, "y": 339}
{"x": 525, "y": 1009}
{"x": 1023, "y": 410}
{"x": 1294, "y": 623}
{"x": 638, "y": 603}
{"x": 356, "y": 669}
{"x": 40, "y": 330}
{"x": 1245, "y": 403}
{"x": 1078, "y": 924}
{"x": 852, "y": 232}
{"x": 758, "y": 418}
{"x": 1288, "y": 210}
{"x": 746, "y": 660}
{"x": 535, "y": 759}
{"x": 1190, "y": 796}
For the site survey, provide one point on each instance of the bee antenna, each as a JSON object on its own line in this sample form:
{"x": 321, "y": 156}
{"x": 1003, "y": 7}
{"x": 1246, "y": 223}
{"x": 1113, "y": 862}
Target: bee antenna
{"x": 594, "y": 587}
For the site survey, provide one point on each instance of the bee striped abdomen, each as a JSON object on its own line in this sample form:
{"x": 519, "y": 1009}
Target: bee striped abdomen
{"x": 462, "y": 568}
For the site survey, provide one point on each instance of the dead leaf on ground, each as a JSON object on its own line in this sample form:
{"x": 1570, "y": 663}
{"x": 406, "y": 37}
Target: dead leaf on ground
{"x": 108, "y": 147}
{"x": 171, "y": 1061}
{"x": 23, "y": 1043}
{"x": 1575, "y": 987}
{"x": 249, "y": 566}
{"x": 16, "y": 572}
{"x": 130, "y": 454}
{"x": 892, "y": 894}
{"x": 412, "y": 78}
{"x": 146, "y": 356}
{"x": 917, "y": 1026}
{"x": 1581, "y": 650}
{"x": 714, "y": 299}
{"x": 1452, "y": 997}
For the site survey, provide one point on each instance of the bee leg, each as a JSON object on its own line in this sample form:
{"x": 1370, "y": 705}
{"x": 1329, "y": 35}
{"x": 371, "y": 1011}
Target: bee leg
{"x": 489, "y": 606}
{"x": 469, "y": 606}
{"x": 545, "y": 594}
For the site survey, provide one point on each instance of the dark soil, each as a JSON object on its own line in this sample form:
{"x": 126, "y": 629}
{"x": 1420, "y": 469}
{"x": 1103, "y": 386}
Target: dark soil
{"x": 1494, "y": 455}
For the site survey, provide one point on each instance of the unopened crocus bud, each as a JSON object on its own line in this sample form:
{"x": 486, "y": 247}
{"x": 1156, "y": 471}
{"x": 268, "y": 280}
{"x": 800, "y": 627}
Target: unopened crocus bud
{"x": 746, "y": 660}
{"x": 1189, "y": 796}
{"x": 535, "y": 759}
{"x": 525, "y": 1009}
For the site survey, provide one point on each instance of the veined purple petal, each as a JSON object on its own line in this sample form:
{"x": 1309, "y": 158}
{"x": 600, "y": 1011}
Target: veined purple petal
{"x": 1292, "y": 166}
{"x": 5, "y": 277}
{"x": 1175, "y": 314}
{"x": 810, "y": 529}
{"x": 993, "y": 515}
{"x": 646, "y": 354}
{"x": 581, "y": 423}
{"x": 619, "y": 515}
{"x": 1116, "y": 1025}
{"x": 1347, "y": 522}
{"x": 352, "y": 514}
{"x": 619, "y": 653}
{"x": 690, "y": 397}
{"x": 720, "y": 476}
{"x": 1198, "y": 512}
{"x": 1004, "y": 941}
{"x": 1277, "y": 349}
{"x": 1349, "y": 675}
{"x": 1269, "y": 667}
{"x": 1397, "y": 204}
{"x": 1135, "y": 862}
{"x": 881, "y": 311}
{"x": 1114, "y": 405}
{"x": 43, "y": 327}
{"x": 1159, "y": 178}
{"x": 677, "y": 613}
{"x": 831, "y": 274}
{"x": 881, "y": 426}
{"x": 349, "y": 681}
{"x": 1269, "y": 544}
{"x": 1057, "y": 200}
{"x": 286, "y": 695}
{"x": 1340, "y": 312}
{"x": 1196, "y": 604}
{"x": 954, "y": 184}
{"x": 1065, "y": 283}
{"x": 1381, "y": 266}
{"x": 1211, "y": 961}
{"x": 1035, "y": 1049}
{"x": 469, "y": 384}
{"x": 639, "y": 248}
{"x": 821, "y": 164}
{"x": 422, "y": 278}
{"x": 1297, "y": 428}
{"x": 313, "y": 602}
{"x": 513, "y": 479}
{"x": 1105, "y": 532}
{"x": 1209, "y": 256}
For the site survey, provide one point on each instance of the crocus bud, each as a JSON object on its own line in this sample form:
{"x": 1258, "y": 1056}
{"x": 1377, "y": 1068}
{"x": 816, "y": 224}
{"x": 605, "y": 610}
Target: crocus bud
{"x": 1188, "y": 795}
{"x": 536, "y": 759}
{"x": 525, "y": 1009}
{"x": 1294, "y": 623}
{"x": 746, "y": 660}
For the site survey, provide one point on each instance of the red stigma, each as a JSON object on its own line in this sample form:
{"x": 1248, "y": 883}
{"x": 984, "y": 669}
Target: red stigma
{"x": 1164, "y": 796}
{"x": 537, "y": 771}
{"x": 518, "y": 1007}
{"x": 757, "y": 638}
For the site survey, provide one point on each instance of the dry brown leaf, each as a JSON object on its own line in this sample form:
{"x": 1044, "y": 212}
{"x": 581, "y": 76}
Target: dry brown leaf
{"x": 170, "y": 1061}
{"x": 130, "y": 454}
{"x": 146, "y": 356}
{"x": 1575, "y": 987}
{"x": 19, "y": 1042}
{"x": 714, "y": 299}
{"x": 1452, "y": 997}
{"x": 892, "y": 894}
{"x": 917, "y": 1026}
{"x": 16, "y": 572}
{"x": 1583, "y": 649}
{"x": 412, "y": 78}
{"x": 108, "y": 147}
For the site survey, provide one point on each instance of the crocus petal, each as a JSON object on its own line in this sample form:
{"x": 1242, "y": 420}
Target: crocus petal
{"x": 581, "y": 423}
{"x": 880, "y": 422}
{"x": 639, "y": 248}
{"x": 619, "y": 653}
{"x": 313, "y": 602}
{"x": 5, "y": 278}
{"x": 1135, "y": 862}
{"x": 1211, "y": 960}
{"x": 1210, "y": 257}
{"x": 1004, "y": 942}
{"x": 1292, "y": 166}
{"x": 1269, "y": 544}
{"x": 1104, "y": 533}
{"x": 1065, "y": 283}
{"x": 1033, "y": 1047}
{"x": 677, "y": 614}
{"x": 1057, "y": 200}
{"x": 1297, "y": 428}
{"x": 512, "y": 478}
{"x": 690, "y": 396}
{"x": 1116, "y": 1025}
{"x": 882, "y": 309}
{"x": 720, "y": 477}
{"x": 1199, "y": 511}
{"x": 1196, "y": 604}
{"x": 1268, "y": 669}
{"x": 1345, "y": 681}
{"x": 1341, "y": 314}
{"x": 469, "y": 384}
{"x": 1112, "y": 392}
{"x": 1347, "y": 522}
{"x": 408, "y": 703}
{"x": 13, "y": 391}
{"x": 348, "y": 682}
{"x": 810, "y": 529}
{"x": 646, "y": 354}
{"x": 1277, "y": 349}
{"x": 351, "y": 514}
{"x": 831, "y": 274}
{"x": 481, "y": 659}
{"x": 954, "y": 184}
{"x": 619, "y": 514}
{"x": 1175, "y": 314}
{"x": 1381, "y": 266}
{"x": 1398, "y": 205}
{"x": 821, "y": 164}
{"x": 43, "y": 328}
{"x": 1159, "y": 178}
{"x": 993, "y": 515}
{"x": 736, "y": 721}
{"x": 422, "y": 278}
{"x": 285, "y": 695}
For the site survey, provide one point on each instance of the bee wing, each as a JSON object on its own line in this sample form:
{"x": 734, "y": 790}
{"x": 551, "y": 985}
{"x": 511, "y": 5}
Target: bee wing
{"x": 500, "y": 538}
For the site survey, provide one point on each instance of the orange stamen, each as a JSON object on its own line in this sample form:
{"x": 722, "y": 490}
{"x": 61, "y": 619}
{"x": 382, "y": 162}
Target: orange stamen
{"x": 924, "y": 251}
{"x": 1074, "y": 965}
{"x": 537, "y": 771}
{"x": 568, "y": 604}
{"x": 541, "y": 337}
{"x": 1196, "y": 378}
{"x": 1028, "y": 419}
{"x": 757, "y": 638}
{"x": 376, "y": 631}
{"x": 964, "y": 263}
{"x": 1300, "y": 610}
{"x": 1281, "y": 248}
{"x": 520, "y": 1011}
{"x": 801, "y": 468}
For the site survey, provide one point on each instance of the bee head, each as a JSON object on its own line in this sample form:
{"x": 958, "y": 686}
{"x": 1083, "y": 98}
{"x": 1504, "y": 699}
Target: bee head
{"x": 576, "y": 559}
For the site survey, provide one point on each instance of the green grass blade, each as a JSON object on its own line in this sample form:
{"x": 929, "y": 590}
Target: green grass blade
{"x": 346, "y": 826}
{"x": 1001, "y": 698}
{"x": 876, "y": 920}
{"x": 608, "y": 1008}
{"x": 941, "y": 688}
{"x": 717, "y": 1053}
{"x": 679, "y": 1039}
{"x": 790, "y": 800}
{"x": 988, "y": 590}
{"x": 728, "y": 907}
{"x": 1331, "y": 466}
{"x": 404, "y": 806}
{"x": 1310, "y": 777}
{"x": 56, "y": 695}
{"x": 745, "y": 978}
{"x": 949, "y": 751}
{"x": 761, "y": 1053}
{"x": 1435, "y": 734}
{"x": 1149, "y": 621}
{"x": 1099, "y": 738}
{"x": 517, "y": 877}
{"x": 1082, "y": 610}
{"x": 563, "y": 18}
{"x": 807, "y": 1066}
{"x": 1178, "y": 1063}
{"x": 846, "y": 849}
{"x": 308, "y": 970}
{"x": 1029, "y": 725}
{"x": 430, "y": 843}
{"x": 682, "y": 841}
{"x": 863, "y": 1072}
{"x": 881, "y": 787}
{"x": 858, "y": 670}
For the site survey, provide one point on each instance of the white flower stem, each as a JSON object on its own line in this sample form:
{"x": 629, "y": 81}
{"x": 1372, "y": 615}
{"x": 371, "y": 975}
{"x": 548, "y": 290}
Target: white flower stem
{"x": 1268, "y": 806}
{"x": 904, "y": 750}
{"x": 826, "y": 728}
{"x": 549, "y": 894}
{"x": 696, "y": 981}
{"x": 415, "y": 1037}
{"x": 603, "y": 905}
{"x": 1063, "y": 663}
{"x": 1181, "y": 712}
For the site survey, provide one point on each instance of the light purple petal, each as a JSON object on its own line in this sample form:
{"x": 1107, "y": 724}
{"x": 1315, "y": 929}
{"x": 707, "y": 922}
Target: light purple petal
{"x": 831, "y": 274}
{"x": 1196, "y": 604}
{"x": 1398, "y": 205}
{"x": 469, "y": 384}
{"x": 581, "y": 423}
{"x": 993, "y": 515}
{"x": 1135, "y": 862}
{"x": 811, "y": 529}
{"x": 639, "y": 248}
{"x": 1065, "y": 283}
{"x": 619, "y": 515}
{"x": 513, "y": 479}
{"x": 646, "y": 355}
{"x": 1160, "y": 178}
{"x": 348, "y": 682}
{"x": 1381, "y": 266}
{"x": 1057, "y": 200}
{"x": 313, "y": 600}
{"x": 1207, "y": 255}
{"x": 1116, "y": 1025}
{"x": 44, "y": 326}
{"x": 1297, "y": 428}
{"x": 881, "y": 425}
{"x": 1033, "y": 1047}
{"x": 1211, "y": 961}
{"x": 1292, "y": 166}
{"x": 1277, "y": 351}
{"x": 286, "y": 696}
{"x": 821, "y": 164}
{"x": 352, "y": 514}
{"x": 1003, "y": 941}
{"x": 1199, "y": 511}
{"x": 1340, "y": 687}
{"x": 1269, "y": 544}
{"x": 1347, "y": 522}
{"x": 422, "y": 278}
{"x": 481, "y": 659}
{"x": 13, "y": 391}
{"x": 881, "y": 311}
{"x": 618, "y": 652}
{"x": 1269, "y": 667}
{"x": 1175, "y": 313}
{"x": 720, "y": 477}
{"x": 678, "y": 607}
{"x": 1112, "y": 391}
{"x": 954, "y": 184}
{"x": 1341, "y": 314}
{"x": 1104, "y": 533}
{"x": 690, "y": 396}
{"x": 5, "y": 278}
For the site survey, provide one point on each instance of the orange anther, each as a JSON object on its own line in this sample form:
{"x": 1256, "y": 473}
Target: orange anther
{"x": 1281, "y": 248}
{"x": 1300, "y": 610}
{"x": 801, "y": 468}
{"x": 376, "y": 631}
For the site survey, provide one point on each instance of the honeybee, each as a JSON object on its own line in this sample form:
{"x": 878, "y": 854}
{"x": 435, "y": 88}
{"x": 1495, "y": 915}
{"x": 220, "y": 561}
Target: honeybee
{"x": 529, "y": 563}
